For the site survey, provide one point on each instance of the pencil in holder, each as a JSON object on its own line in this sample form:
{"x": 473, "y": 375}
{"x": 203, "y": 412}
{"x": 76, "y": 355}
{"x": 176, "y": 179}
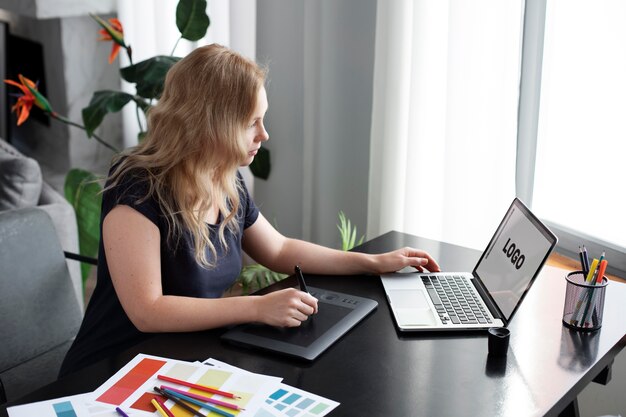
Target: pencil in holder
{"x": 584, "y": 302}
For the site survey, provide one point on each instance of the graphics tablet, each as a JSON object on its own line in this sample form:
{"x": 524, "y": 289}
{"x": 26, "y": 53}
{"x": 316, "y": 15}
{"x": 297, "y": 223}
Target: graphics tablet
{"x": 337, "y": 313}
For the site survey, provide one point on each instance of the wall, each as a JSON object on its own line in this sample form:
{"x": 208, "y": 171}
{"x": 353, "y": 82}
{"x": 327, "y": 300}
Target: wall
{"x": 321, "y": 58}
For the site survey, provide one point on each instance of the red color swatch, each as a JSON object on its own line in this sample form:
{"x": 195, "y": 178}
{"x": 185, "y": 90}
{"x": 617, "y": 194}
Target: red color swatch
{"x": 144, "y": 404}
{"x": 130, "y": 382}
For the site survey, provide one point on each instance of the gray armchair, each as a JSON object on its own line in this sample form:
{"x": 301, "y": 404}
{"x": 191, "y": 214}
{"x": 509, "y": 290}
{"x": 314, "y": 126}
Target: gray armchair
{"x": 39, "y": 312}
{"x": 22, "y": 185}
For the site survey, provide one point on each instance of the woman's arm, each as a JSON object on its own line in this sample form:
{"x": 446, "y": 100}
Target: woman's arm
{"x": 279, "y": 253}
{"x": 132, "y": 246}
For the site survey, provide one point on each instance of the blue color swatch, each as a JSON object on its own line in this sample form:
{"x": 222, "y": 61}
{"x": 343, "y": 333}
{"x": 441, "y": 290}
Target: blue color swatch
{"x": 64, "y": 409}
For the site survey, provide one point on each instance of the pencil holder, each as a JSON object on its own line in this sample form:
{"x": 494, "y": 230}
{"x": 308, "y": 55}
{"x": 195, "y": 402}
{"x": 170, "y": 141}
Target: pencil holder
{"x": 584, "y": 302}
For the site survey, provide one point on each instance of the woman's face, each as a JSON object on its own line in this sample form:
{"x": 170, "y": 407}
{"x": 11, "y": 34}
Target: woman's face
{"x": 255, "y": 131}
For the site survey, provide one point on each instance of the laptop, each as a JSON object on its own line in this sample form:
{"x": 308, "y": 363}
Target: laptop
{"x": 486, "y": 297}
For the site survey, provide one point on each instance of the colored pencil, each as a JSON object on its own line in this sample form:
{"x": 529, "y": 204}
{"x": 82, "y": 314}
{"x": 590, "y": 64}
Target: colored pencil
{"x": 164, "y": 407}
{"x": 179, "y": 402}
{"x": 203, "y": 398}
{"x": 121, "y": 412}
{"x": 188, "y": 399}
{"x": 198, "y": 386}
{"x": 158, "y": 408}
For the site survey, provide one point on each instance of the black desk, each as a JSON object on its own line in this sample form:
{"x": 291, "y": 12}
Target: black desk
{"x": 375, "y": 371}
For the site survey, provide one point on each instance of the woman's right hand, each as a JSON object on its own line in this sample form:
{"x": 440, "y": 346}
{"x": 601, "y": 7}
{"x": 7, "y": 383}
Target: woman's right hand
{"x": 286, "y": 308}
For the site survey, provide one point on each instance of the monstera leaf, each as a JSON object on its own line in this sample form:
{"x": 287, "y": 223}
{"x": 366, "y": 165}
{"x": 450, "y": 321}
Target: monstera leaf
{"x": 191, "y": 19}
{"x": 102, "y": 103}
{"x": 149, "y": 75}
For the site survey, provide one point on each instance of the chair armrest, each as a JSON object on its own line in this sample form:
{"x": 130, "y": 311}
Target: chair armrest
{"x": 81, "y": 258}
{"x": 64, "y": 221}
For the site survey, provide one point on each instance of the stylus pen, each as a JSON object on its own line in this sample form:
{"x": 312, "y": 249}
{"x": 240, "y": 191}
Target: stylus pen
{"x": 300, "y": 277}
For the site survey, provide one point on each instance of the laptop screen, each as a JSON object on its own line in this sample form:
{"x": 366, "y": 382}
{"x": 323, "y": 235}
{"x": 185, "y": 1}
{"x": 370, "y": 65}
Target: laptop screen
{"x": 514, "y": 256}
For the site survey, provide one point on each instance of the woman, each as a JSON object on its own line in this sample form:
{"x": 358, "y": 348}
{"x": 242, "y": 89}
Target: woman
{"x": 176, "y": 215}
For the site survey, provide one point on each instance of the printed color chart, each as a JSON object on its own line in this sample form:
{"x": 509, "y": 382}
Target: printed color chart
{"x": 301, "y": 404}
{"x": 286, "y": 400}
{"x": 132, "y": 387}
{"x": 71, "y": 406}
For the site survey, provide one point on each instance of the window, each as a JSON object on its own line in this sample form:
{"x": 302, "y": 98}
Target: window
{"x": 581, "y": 131}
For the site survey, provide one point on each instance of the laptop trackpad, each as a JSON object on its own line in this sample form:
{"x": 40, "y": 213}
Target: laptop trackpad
{"x": 412, "y": 308}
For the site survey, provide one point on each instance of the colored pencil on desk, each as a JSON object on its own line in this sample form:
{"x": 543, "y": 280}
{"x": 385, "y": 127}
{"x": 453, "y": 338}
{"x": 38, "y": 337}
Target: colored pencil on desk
{"x": 198, "y": 386}
{"x": 586, "y": 259}
{"x": 164, "y": 407}
{"x": 188, "y": 399}
{"x": 582, "y": 260}
{"x": 179, "y": 402}
{"x": 599, "y": 264}
{"x": 158, "y": 408}
{"x": 203, "y": 398}
{"x": 601, "y": 270}
{"x": 592, "y": 271}
{"x": 121, "y": 412}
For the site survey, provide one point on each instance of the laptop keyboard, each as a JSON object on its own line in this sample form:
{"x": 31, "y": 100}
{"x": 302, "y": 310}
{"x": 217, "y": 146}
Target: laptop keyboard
{"x": 455, "y": 300}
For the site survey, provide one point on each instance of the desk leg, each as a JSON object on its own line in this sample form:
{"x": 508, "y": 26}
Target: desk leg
{"x": 571, "y": 410}
{"x": 604, "y": 377}
{"x": 3, "y": 397}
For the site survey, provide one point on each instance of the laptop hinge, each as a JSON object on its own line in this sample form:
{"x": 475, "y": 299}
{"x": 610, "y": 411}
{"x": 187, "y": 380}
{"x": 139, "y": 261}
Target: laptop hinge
{"x": 495, "y": 311}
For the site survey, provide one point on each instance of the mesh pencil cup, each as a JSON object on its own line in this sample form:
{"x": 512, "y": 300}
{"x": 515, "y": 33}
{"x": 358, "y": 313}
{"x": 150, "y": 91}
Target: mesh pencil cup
{"x": 584, "y": 303}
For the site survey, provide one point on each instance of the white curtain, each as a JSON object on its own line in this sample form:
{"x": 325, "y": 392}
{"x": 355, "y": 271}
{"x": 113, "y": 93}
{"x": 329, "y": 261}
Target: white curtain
{"x": 446, "y": 80}
{"x": 150, "y": 29}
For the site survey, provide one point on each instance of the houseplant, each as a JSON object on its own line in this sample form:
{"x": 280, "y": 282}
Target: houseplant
{"x": 254, "y": 277}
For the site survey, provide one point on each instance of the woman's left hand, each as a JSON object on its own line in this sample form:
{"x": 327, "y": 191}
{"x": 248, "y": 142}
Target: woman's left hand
{"x": 401, "y": 258}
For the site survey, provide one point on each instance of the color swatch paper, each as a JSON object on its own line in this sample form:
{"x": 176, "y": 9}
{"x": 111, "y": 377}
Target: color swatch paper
{"x": 72, "y": 406}
{"x": 131, "y": 388}
{"x": 287, "y": 400}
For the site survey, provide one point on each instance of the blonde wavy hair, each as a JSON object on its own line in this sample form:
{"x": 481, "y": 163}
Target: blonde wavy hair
{"x": 195, "y": 143}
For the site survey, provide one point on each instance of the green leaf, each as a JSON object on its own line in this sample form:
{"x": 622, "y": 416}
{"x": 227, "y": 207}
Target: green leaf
{"x": 348, "y": 233}
{"x": 261, "y": 165}
{"x": 103, "y": 102}
{"x": 191, "y": 19}
{"x": 83, "y": 193}
{"x": 149, "y": 75}
{"x": 254, "y": 277}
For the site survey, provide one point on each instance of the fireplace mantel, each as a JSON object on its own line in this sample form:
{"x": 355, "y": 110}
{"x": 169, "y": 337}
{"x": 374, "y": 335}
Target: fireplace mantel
{"x": 49, "y": 9}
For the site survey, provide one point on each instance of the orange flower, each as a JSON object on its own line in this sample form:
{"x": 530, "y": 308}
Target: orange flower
{"x": 111, "y": 31}
{"x": 25, "y": 102}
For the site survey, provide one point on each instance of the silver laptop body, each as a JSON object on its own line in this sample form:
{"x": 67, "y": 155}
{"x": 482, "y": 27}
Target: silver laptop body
{"x": 486, "y": 297}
